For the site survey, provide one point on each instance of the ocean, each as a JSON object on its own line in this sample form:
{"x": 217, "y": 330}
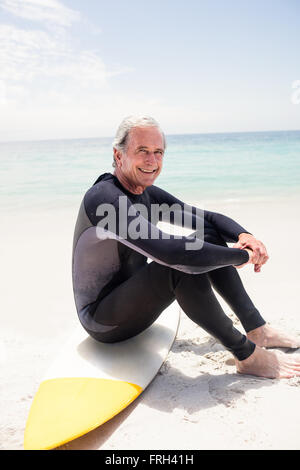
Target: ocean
{"x": 197, "y": 167}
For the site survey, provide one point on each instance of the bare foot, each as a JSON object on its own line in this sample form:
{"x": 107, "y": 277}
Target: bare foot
{"x": 270, "y": 364}
{"x": 268, "y": 337}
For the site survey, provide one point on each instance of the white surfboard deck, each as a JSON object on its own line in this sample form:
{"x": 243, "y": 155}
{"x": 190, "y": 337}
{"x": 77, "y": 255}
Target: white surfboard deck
{"x": 90, "y": 382}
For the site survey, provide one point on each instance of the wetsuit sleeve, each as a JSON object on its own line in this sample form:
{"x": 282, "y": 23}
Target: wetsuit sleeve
{"x": 111, "y": 211}
{"x": 228, "y": 228}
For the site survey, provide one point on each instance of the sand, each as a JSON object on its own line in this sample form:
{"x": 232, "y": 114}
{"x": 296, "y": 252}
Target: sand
{"x": 197, "y": 400}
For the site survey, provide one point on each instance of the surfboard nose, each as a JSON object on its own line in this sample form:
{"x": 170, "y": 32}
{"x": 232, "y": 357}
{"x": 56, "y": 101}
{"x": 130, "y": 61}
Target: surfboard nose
{"x": 66, "y": 408}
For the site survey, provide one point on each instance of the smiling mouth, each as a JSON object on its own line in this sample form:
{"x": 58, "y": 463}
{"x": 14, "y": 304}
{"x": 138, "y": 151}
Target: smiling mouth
{"x": 147, "y": 171}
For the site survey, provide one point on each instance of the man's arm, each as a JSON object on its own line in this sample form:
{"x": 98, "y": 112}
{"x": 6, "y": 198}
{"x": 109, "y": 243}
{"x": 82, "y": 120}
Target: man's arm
{"x": 229, "y": 229}
{"x": 161, "y": 247}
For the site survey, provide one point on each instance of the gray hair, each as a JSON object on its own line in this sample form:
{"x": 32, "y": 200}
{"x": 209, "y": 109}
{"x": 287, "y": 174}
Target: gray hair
{"x": 121, "y": 139}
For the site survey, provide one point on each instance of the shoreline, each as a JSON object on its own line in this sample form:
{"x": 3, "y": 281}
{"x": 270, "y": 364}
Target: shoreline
{"x": 47, "y": 207}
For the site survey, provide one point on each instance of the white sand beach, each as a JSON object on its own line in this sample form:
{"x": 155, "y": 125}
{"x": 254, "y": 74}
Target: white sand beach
{"x": 197, "y": 400}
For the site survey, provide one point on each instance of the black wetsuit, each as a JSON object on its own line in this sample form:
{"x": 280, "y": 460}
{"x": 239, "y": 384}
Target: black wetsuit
{"x": 118, "y": 293}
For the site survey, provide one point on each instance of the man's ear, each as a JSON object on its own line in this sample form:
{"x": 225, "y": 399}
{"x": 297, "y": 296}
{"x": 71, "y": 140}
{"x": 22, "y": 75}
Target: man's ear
{"x": 117, "y": 157}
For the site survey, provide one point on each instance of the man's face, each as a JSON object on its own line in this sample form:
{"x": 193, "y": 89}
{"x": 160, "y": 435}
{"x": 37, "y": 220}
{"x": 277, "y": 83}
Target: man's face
{"x": 141, "y": 163}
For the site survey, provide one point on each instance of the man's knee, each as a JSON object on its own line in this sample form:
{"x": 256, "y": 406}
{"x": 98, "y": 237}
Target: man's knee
{"x": 187, "y": 284}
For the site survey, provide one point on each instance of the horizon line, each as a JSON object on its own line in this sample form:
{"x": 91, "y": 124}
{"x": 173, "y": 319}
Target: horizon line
{"x": 167, "y": 135}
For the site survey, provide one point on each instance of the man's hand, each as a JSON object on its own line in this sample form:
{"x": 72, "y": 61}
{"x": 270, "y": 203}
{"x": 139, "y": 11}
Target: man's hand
{"x": 260, "y": 255}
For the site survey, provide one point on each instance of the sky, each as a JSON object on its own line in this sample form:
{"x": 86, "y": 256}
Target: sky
{"x": 76, "y": 68}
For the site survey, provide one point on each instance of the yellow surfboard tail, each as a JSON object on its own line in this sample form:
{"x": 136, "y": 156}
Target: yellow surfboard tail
{"x": 66, "y": 408}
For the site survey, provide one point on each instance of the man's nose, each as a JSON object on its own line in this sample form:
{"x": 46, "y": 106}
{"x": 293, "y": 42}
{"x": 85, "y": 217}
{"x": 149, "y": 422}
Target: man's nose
{"x": 151, "y": 157}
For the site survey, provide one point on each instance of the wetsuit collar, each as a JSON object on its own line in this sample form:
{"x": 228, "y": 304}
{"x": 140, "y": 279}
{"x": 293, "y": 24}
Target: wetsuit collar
{"x": 109, "y": 176}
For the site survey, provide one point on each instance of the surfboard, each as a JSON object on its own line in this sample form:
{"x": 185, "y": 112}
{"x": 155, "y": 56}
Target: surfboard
{"x": 90, "y": 382}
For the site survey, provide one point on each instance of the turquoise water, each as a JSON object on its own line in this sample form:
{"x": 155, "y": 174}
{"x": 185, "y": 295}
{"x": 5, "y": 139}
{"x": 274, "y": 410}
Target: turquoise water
{"x": 235, "y": 166}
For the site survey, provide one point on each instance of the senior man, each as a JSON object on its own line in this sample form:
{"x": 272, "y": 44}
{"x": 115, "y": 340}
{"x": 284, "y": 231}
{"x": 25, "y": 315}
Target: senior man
{"x": 118, "y": 294}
